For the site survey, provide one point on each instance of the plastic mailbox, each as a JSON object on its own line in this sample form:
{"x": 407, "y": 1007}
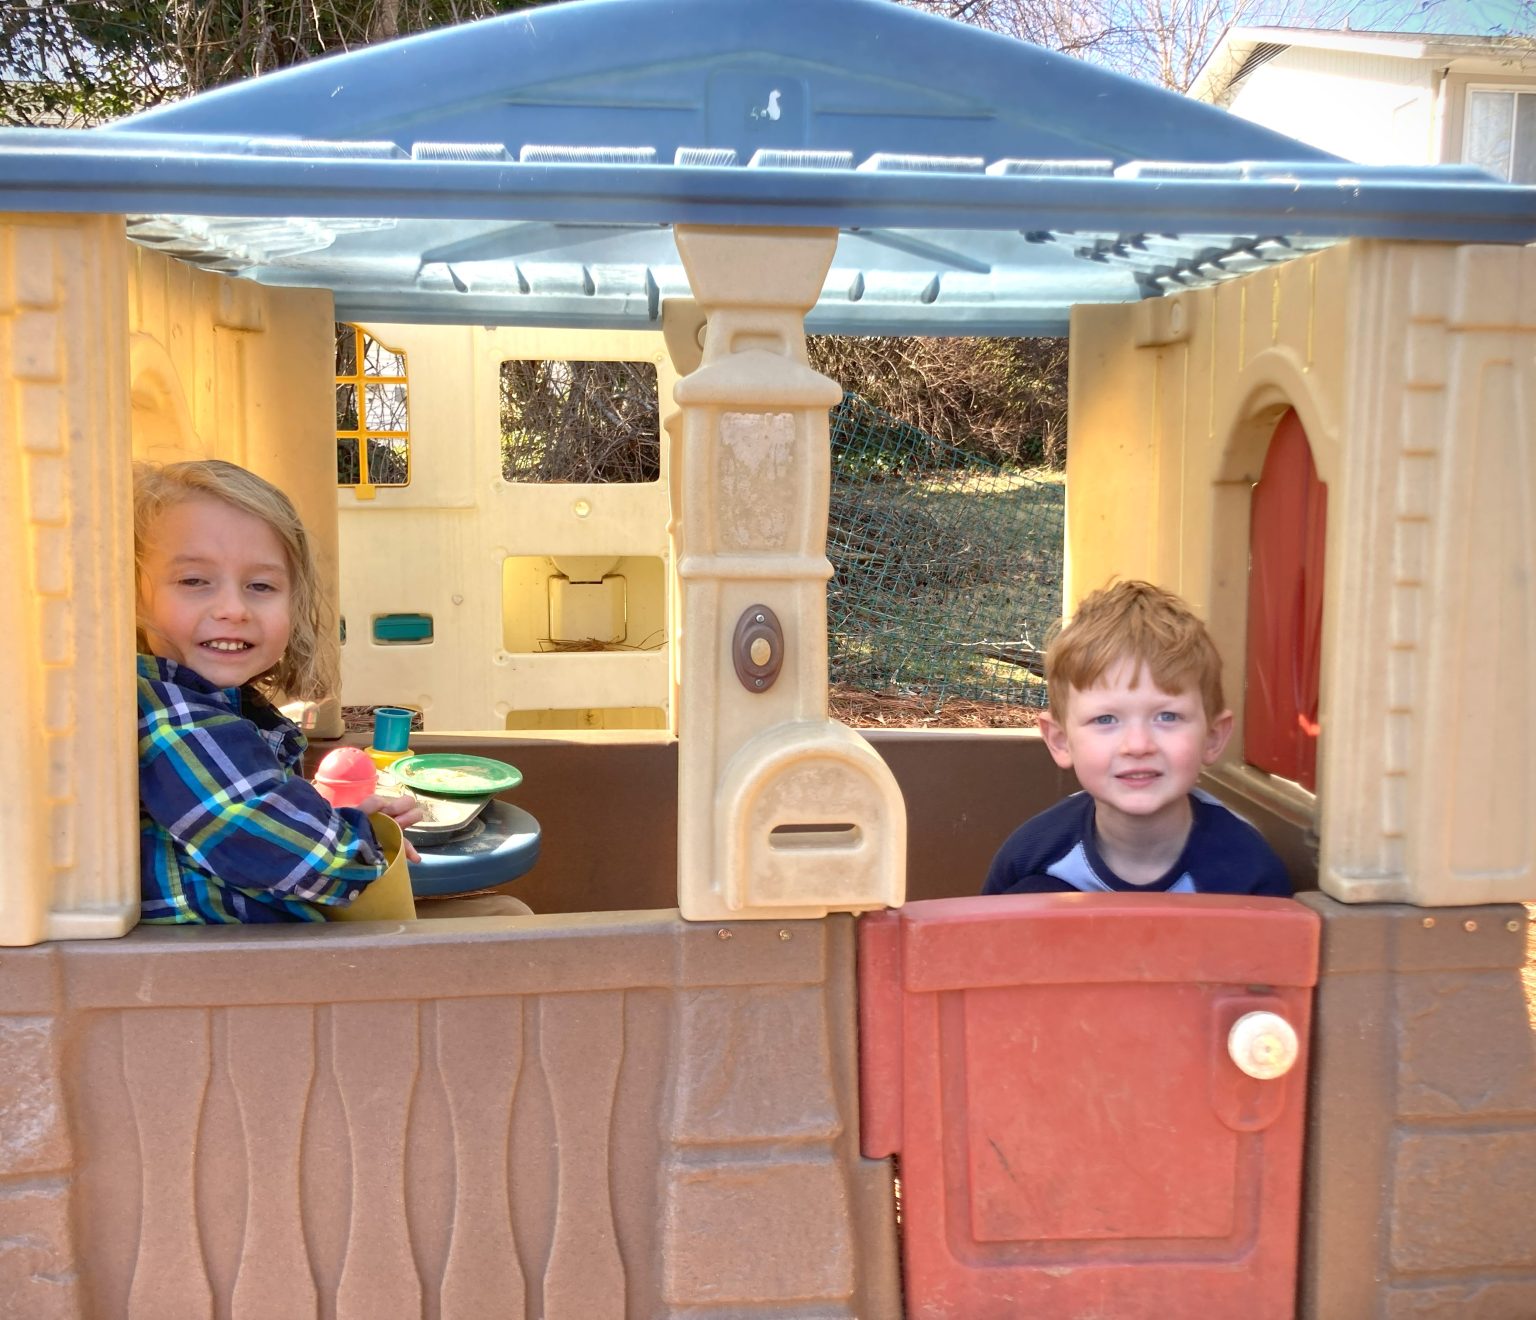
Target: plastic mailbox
{"x": 1097, "y": 1101}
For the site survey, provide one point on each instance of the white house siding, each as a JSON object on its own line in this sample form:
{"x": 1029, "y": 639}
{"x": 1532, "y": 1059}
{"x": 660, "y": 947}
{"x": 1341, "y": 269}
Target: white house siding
{"x": 1367, "y": 108}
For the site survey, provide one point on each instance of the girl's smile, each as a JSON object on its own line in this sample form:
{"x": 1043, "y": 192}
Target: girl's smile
{"x": 215, "y": 592}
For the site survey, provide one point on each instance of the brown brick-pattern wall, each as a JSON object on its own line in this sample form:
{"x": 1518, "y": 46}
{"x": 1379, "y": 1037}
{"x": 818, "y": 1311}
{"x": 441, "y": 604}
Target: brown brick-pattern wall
{"x": 754, "y": 1150}
{"x": 1421, "y": 1162}
{"x": 37, "y": 1262}
{"x": 584, "y": 1117}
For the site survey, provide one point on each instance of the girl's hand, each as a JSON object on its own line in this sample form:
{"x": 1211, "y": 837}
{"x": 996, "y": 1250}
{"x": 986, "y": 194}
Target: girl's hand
{"x": 404, "y": 810}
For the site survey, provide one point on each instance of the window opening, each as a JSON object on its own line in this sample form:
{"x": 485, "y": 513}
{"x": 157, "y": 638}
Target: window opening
{"x": 565, "y": 603}
{"x": 1500, "y": 132}
{"x": 373, "y": 432}
{"x": 565, "y": 421}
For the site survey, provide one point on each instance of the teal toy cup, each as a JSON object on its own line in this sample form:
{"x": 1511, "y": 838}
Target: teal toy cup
{"x": 392, "y": 728}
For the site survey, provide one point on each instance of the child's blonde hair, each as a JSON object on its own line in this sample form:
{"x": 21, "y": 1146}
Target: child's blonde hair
{"x": 1143, "y": 623}
{"x": 305, "y": 669}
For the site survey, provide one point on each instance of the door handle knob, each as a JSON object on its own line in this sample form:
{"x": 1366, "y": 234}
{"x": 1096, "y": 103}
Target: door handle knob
{"x": 1263, "y": 1045}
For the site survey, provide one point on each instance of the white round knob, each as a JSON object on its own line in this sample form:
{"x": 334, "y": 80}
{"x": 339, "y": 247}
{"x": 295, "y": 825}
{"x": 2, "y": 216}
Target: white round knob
{"x": 1263, "y": 1045}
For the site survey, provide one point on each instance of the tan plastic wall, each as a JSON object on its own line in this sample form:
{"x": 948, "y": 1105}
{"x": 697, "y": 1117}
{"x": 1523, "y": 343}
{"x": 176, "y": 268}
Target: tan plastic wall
{"x": 624, "y": 1116}
{"x": 781, "y": 811}
{"x": 224, "y": 368}
{"x": 1413, "y": 370}
{"x": 67, "y": 791}
{"x": 438, "y": 545}
{"x": 112, "y": 351}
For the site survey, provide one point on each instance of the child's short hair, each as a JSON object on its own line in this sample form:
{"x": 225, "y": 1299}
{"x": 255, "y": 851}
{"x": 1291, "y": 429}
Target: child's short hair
{"x": 305, "y": 669}
{"x": 1134, "y": 621}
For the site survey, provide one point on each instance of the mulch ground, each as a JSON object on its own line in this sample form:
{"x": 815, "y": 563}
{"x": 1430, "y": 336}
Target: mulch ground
{"x": 893, "y": 710}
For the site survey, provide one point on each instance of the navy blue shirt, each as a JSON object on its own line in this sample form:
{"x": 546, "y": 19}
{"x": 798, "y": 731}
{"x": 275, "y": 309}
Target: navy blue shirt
{"x": 1055, "y": 852}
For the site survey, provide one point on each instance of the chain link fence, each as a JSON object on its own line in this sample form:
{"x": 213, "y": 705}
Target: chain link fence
{"x": 947, "y": 567}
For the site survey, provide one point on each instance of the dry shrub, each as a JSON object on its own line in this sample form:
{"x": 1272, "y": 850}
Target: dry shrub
{"x": 579, "y": 421}
{"x": 1001, "y": 399}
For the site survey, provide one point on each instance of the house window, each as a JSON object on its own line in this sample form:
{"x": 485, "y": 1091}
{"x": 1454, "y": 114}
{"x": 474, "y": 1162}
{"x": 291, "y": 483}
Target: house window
{"x": 373, "y": 425}
{"x": 1500, "y": 132}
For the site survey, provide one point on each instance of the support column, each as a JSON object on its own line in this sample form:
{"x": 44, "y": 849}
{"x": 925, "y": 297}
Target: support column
{"x": 781, "y": 811}
{"x": 1426, "y": 772}
{"x": 68, "y": 802}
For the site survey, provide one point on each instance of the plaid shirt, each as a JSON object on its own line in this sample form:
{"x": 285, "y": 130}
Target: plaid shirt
{"x": 227, "y": 831}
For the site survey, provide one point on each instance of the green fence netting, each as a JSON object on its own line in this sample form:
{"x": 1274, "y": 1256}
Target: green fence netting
{"x": 947, "y": 568}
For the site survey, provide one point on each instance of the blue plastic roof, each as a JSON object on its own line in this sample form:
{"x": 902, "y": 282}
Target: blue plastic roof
{"x": 528, "y": 169}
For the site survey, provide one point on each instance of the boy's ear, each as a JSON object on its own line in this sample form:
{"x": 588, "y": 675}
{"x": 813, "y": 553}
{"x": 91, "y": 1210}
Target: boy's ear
{"x": 1216, "y": 736}
{"x": 1055, "y": 740}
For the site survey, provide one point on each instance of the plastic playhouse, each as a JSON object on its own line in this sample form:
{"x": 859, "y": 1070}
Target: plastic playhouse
{"x": 760, "y": 988}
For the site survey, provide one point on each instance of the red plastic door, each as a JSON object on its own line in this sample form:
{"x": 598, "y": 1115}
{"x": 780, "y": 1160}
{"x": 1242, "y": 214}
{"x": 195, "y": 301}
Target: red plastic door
{"x": 1287, "y": 534}
{"x": 1075, "y": 1139}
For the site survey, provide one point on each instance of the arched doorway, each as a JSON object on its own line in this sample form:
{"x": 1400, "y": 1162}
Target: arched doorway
{"x": 1287, "y": 535}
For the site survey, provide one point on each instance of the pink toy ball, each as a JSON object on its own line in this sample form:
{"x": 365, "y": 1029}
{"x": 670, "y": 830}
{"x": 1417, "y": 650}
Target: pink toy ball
{"x": 346, "y": 776}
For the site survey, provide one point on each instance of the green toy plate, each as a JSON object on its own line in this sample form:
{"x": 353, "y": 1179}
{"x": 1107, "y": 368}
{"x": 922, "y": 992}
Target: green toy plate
{"x": 456, "y": 776}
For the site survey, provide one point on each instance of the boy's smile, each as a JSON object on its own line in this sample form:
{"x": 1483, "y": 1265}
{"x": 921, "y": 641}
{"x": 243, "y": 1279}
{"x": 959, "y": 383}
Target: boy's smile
{"x": 214, "y": 591}
{"x": 1136, "y": 749}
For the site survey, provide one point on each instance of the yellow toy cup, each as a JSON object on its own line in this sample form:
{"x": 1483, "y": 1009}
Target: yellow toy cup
{"x": 389, "y": 897}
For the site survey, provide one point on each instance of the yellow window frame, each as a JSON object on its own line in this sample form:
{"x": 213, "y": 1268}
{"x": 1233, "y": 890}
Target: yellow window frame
{"x": 363, "y": 488}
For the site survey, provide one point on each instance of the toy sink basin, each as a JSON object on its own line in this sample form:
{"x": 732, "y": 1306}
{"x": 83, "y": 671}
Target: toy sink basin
{"x": 443, "y": 817}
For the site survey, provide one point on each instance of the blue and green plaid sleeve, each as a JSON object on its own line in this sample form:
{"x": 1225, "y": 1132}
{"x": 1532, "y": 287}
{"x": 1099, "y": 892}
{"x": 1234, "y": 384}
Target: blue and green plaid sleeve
{"x": 228, "y": 832}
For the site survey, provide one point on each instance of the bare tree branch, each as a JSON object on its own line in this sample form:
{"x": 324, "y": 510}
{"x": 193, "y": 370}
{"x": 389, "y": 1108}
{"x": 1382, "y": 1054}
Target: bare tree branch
{"x": 1166, "y": 41}
{"x": 77, "y": 62}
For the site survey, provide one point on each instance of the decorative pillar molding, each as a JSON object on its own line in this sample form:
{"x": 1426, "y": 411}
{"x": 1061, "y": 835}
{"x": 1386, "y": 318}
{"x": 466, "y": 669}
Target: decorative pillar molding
{"x": 68, "y": 797}
{"x": 1431, "y": 594}
{"x": 781, "y": 811}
